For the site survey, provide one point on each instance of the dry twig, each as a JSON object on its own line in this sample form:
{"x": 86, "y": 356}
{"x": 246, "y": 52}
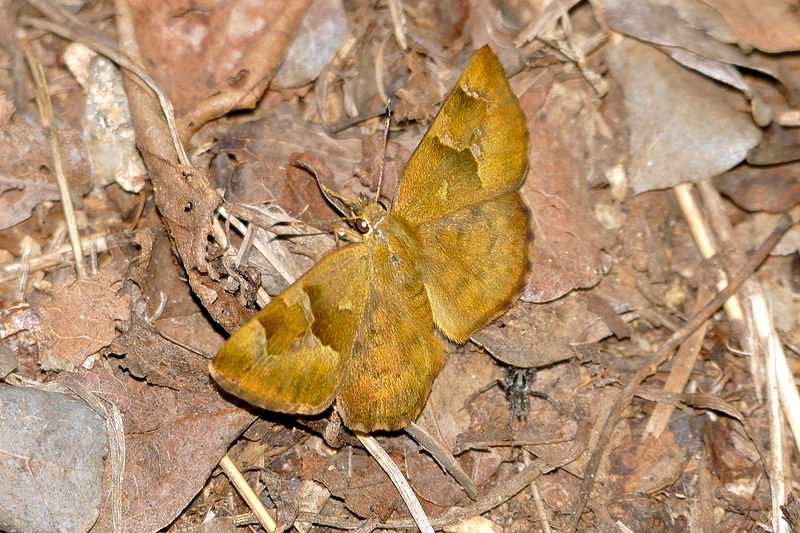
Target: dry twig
{"x": 251, "y": 75}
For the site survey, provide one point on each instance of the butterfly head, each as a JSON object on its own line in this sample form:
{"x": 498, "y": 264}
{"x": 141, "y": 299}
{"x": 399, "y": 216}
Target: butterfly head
{"x": 365, "y": 219}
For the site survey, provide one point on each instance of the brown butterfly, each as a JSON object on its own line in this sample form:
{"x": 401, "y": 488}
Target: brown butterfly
{"x": 451, "y": 252}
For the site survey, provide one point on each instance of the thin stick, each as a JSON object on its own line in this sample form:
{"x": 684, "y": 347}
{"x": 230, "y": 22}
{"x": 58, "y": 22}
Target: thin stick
{"x": 261, "y": 296}
{"x": 52, "y": 259}
{"x": 769, "y": 342}
{"x": 503, "y": 493}
{"x": 387, "y": 121}
{"x": 26, "y": 269}
{"x": 46, "y": 112}
{"x": 675, "y": 340}
{"x": 682, "y": 366}
{"x": 789, "y": 394}
{"x": 248, "y": 495}
{"x": 398, "y": 23}
{"x": 400, "y": 482}
{"x": 443, "y": 456}
{"x": 766, "y": 351}
{"x": 540, "y": 509}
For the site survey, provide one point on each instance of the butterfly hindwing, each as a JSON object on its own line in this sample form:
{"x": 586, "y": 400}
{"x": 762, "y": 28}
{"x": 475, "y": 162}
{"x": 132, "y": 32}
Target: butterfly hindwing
{"x": 475, "y": 263}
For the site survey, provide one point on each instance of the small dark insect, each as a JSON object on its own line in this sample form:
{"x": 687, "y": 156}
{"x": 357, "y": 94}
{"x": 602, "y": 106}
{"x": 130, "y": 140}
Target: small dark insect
{"x": 516, "y": 384}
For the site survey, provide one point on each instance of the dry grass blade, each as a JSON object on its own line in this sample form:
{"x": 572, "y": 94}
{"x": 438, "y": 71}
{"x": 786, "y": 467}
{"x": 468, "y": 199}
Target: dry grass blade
{"x": 46, "y": 113}
{"x": 248, "y": 495}
{"x": 389, "y": 466}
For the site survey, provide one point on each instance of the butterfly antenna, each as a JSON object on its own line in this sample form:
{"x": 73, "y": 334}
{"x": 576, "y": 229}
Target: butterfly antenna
{"x": 387, "y": 121}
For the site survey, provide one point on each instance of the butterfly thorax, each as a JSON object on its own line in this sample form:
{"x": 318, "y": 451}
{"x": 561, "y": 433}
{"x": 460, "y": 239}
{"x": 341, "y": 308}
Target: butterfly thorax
{"x": 390, "y": 236}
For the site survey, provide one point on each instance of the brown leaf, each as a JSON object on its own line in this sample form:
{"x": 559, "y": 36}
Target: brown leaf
{"x": 26, "y": 168}
{"x": 690, "y": 27}
{"x": 464, "y": 373}
{"x": 769, "y": 25}
{"x": 252, "y": 161}
{"x": 173, "y": 440}
{"x": 536, "y": 335}
{"x": 189, "y": 50}
{"x": 778, "y": 145}
{"x": 774, "y": 189}
{"x": 752, "y": 231}
{"x": 683, "y": 126}
{"x": 78, "y": 318}
{"x": 566, "y": 237}
{"x": 366, "y": 489}
{"x": 147, "y": 355}
{"x": 643, "y": 464}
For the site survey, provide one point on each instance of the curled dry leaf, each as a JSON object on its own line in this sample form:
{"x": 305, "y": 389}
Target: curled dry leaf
{"x": 147, "y": 355}
{"x": 778, "y": 145}
{"x": 538, "y": 335}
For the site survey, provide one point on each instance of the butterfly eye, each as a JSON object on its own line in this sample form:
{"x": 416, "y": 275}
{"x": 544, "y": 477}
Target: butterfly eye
{"x": 362, "y": 225}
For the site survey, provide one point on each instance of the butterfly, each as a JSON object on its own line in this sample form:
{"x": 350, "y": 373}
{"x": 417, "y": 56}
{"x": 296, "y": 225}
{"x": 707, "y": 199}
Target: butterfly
{"x": 450, "y": 254}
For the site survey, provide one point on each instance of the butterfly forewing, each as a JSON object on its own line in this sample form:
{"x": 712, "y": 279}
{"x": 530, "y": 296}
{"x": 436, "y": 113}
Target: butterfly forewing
{"x": 475, "y": 149}
{"x": 292, "y": 356}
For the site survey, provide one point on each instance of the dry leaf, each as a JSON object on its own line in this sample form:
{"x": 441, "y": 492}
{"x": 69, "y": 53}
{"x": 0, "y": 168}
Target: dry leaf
{"x": 79, "y": 318}
{"x": 769, "y": 25}
{"x": 774, "y": 189}
{"x": 26, "y": 175}
{"x": 566, "y": 237}
{"x": 682, "y": 126}
{"x": 173, "y": 439}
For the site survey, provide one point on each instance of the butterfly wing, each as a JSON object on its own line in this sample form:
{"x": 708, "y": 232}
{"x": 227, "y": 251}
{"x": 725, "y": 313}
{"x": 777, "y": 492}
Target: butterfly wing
{"x": 291, "y": 357}
{"x": 460, "y": 188}
{"x": 475, "y": 149}
{"x": 475, "y": 263}
{"x": 396, "y": 354}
